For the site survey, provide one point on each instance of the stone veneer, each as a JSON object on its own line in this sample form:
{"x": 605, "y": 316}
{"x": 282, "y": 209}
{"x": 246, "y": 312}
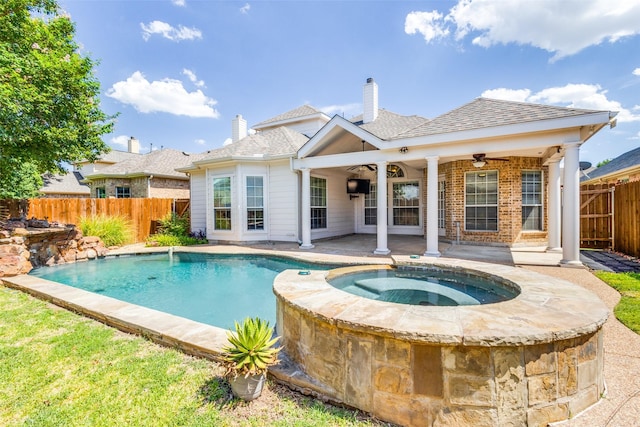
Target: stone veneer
{"x": 532, "y": 360}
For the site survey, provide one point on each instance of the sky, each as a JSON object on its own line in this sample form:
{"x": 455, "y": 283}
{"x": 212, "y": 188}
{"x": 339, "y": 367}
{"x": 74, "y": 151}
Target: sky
{"x": 178, "y": 71}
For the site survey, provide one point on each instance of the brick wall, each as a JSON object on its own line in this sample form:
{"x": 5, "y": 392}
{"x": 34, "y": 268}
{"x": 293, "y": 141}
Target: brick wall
{"x": 169, "y": 188}
{"x": 509, "y": 201}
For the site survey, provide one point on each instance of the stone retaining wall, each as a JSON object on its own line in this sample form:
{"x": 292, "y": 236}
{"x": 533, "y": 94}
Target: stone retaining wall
{"x": 22, "y": 249}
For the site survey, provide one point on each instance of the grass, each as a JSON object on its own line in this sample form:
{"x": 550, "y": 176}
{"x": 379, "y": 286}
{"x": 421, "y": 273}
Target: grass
{"x": 61, "y": 369}
{"x": 112, "y": 230}
{"x": 628, "y": 309}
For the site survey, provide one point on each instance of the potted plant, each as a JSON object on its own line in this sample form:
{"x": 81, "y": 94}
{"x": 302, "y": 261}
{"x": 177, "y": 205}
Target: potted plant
{"x": 250, "y": 351}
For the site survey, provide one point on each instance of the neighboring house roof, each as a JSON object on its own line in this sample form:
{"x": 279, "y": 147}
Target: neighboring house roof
{"x": 69, "y": 183}
{"x": 113, "y": 156}
{"x": 295, "y": 114}
{"x": 159, "y": 163}
{"x": 485, "y": 113}
{"x": 388, "y": 125}
{"x": 276, "y": 142}
{"x": 623, "y": 163}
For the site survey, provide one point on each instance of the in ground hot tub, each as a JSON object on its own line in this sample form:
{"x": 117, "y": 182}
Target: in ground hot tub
{"x": 530, "y": 360}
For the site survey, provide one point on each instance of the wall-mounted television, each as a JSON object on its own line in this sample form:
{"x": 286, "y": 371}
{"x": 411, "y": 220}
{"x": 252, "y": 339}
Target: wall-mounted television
{"x": 357, "y": 186}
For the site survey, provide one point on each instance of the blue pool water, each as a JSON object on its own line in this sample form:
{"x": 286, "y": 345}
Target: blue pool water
{"x": 425, "y": 286}
{"x": 212, "y": 289}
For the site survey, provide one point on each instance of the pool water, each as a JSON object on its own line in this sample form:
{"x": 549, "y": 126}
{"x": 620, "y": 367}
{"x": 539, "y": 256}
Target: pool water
{"x": 425, "y": 286}
{"x": 212, "y": 289}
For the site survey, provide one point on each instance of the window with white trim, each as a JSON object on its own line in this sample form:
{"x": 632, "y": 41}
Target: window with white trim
{"x": 123, "y": 192}
{"x": 101, "y": 193}
{"x": 318, "y": 188}
{"x": 406, "y": 203}
{"x": 481, "y": 201}
{"x": 222, "y": 203}
{"x": 255, "y": 203}
{"x": 532, "y": 200}
{"x": 371, "y": 206}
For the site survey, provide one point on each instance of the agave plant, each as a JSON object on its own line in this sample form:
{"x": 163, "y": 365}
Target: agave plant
{"x": 251, "y": 348}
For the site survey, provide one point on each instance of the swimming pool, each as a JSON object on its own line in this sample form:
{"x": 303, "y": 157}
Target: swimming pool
{"x": 212, "y": 289}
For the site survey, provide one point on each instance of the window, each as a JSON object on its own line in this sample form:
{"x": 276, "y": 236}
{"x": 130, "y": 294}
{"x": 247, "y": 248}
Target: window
{"x": 222, "y": 203}
{"x": 406, "y": 203}
{"x": 371, "y": 206}
{"x": 532, "y": 200}
{"x": 318, "y": 203}
{"x": 441, "y": 203}
{"x": 481, "y": 201}
{"x": 255, "y": 203}
{"x": 123, "y": 192}
{"x": 101, "y": 193}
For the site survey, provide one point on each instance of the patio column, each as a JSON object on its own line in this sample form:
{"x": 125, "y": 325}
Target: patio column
{"x": 381, "y": 188}
{"x": 306, "y": 209}
{"x": 571, "y": 207}
{"x": 432, "y": 207}
{"x": 554, "y": 211}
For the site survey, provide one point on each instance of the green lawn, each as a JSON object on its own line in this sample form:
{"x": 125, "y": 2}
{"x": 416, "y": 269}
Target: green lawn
{"x": 61, "y": 369}
{"x": 628, "y": 284}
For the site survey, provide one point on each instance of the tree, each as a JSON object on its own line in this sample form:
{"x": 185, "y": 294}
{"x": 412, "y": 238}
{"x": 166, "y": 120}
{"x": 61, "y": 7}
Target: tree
{"x": 603, "y": 162}
{"x": 19, "y": 180}
{"x": 49, "y": 96}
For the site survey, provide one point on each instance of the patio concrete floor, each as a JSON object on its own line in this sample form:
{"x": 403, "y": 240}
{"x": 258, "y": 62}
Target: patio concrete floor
{"x": 619, "y": 407}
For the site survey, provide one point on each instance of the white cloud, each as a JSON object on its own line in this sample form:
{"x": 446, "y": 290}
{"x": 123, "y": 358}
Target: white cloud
{"x": 120, "y": 140}
{"x": 245, "y": 9}
{"x": 429, "y": 24}
{"x": 192, "y": 76}
{"x": 590, "y": 97}
{"x": 346, "y": 110}
{"x": 166, "y": 95}
{"x": 560, "y": 27}
{"x": 169, "y": 32}
{"x": 636, "y": 72}
{"x": 200, "y": 141}
{"x": 179, "y": 2}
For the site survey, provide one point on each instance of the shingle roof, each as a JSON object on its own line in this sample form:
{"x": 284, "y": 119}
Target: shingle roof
{"x": 115, "y": 156}
{"x": 484, "y": 112}
{"x": 302, "y": 111}
{"x": 623, "y": 161}
{"x": 159, "y": 162}
{"x": 388, "y": 125}
{"x": 280, "y": 141}
{"x": 68, "y": 183}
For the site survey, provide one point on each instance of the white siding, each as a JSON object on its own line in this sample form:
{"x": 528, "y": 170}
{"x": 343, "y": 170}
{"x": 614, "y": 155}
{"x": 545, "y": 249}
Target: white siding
{"x": 283, "y": 205}
{"x": 198, "y": 202}
{"x": 340, "y": 210}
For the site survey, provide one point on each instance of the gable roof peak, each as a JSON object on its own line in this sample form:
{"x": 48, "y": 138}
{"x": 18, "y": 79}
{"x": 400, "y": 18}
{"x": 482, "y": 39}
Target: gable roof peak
{"x": 297, "y": 113}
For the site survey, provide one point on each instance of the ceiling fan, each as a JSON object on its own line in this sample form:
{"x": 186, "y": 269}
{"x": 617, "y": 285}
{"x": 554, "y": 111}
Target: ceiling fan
{"x": 480, "y": 159}
{"x": 362, "y": 168}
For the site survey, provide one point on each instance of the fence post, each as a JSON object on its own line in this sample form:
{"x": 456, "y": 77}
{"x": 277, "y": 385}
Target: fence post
{"x": 613, "y": 218}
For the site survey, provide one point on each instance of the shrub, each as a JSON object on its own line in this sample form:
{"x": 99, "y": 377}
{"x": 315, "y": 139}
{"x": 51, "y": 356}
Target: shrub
{"x": 169, "y": 240}
{"x": 112, "y": 230}
{"x": 174, "y": 225}
{"x": 173, "y": 230}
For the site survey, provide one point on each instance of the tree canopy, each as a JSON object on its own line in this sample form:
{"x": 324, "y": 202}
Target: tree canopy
{"x": 49, "y": 97}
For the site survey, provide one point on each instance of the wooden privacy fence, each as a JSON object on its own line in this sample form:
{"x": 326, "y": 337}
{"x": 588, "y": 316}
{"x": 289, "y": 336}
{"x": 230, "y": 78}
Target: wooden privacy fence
{"x": 626, "y": 213}
{"x": 143, "y": 213}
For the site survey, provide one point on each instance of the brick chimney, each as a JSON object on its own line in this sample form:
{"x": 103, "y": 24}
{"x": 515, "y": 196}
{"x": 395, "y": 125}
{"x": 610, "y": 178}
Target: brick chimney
{"x": 370, "y": 101}
{"x": 133, "y": 146}
{"x": 238, "y": 128}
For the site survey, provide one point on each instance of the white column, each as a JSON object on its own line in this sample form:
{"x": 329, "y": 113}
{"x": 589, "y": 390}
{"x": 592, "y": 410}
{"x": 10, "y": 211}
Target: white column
{"x": 432, "y": 207}
{"x": 381, "y": 188}
{"x": 554, "y": 211}
{"x": 306, "y": 209}
{"x": 571, "y": 207}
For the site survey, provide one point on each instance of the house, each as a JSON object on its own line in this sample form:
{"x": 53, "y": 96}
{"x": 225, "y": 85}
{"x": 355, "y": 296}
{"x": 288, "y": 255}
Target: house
{"x": 72, "y": 185}
{"x": 151, "y": 175}
{"x": 624, "y": 168}
{"x": 486, "y": 173}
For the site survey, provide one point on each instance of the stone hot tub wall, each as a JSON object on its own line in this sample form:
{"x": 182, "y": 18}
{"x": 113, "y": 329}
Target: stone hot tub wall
{"x": 533, "y": 360}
